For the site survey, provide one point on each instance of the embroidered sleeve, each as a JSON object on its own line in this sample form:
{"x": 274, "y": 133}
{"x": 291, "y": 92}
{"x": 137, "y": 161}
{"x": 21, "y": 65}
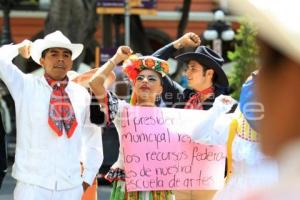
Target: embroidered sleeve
{"x": 104, "y": 114}
{"x": 112, "y": 104}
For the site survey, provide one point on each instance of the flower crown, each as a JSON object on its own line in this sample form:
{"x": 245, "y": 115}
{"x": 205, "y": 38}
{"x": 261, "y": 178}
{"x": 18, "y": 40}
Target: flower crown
{"x": 134, "y": 65}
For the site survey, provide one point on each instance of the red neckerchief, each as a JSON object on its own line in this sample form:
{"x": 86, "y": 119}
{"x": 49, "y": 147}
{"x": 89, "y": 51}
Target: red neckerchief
{"x": 61, "y": 113}
{"x": 195, "y": 102}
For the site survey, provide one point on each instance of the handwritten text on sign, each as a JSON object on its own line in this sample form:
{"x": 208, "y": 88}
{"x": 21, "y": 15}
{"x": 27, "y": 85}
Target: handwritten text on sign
{"x": 160, "y": 155}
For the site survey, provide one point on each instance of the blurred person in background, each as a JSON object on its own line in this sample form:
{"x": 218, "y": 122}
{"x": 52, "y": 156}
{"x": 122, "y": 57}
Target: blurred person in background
{"x": 3, "y": 162}
{"x": 278, "y": 90}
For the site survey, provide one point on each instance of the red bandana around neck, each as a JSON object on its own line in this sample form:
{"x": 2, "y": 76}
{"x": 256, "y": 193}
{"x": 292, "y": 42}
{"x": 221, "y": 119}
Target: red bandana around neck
{"x": 61, "y": 112}
{"x": 195, "y": 102}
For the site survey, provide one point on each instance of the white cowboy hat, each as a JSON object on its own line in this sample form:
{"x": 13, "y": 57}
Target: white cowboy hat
{"x": 53, "y": 40}
{"x": 278, "y": 22}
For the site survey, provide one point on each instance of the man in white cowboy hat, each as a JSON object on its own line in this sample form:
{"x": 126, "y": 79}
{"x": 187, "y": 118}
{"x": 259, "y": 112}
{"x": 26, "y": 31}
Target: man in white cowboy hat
{"x": 54, "y": 133}
{"x": 278, "y": 89}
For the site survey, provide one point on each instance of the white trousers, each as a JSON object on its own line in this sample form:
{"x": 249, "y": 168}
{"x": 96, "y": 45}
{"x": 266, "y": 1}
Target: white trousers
{"x": 25, "y": 191}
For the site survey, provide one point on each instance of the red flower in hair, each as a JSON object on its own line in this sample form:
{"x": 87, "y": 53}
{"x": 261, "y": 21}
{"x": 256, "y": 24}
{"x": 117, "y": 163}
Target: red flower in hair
{"x": 137, "y": 63}
{"x": 131, "y": 71}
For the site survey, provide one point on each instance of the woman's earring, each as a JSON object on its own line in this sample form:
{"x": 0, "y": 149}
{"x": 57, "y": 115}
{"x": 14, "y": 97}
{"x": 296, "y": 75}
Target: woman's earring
{"x": 158, "y": 99}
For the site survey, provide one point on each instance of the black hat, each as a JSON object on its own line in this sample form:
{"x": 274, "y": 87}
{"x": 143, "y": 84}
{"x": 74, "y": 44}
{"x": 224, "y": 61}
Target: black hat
{"x": 208, "y": 58}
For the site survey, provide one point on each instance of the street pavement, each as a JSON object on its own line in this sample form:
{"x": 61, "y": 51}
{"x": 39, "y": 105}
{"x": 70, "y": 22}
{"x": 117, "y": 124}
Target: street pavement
{"x": 8, "y": 185}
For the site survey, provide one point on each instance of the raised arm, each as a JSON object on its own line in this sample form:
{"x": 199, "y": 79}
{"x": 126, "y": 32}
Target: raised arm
{"x": 171, "y": 89}
{"x": 11, "y": 75}
{"x": 97, "y": 81}
{"x": 187, "y": 40}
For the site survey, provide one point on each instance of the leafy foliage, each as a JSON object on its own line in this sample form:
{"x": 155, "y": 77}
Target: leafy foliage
{"x": 244, "y": 56}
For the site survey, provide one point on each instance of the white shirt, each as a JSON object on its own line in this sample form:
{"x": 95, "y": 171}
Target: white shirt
{"x": 118, "y": 121}
{"x": 42, "y": 158}
{"x": 288, "y": 187}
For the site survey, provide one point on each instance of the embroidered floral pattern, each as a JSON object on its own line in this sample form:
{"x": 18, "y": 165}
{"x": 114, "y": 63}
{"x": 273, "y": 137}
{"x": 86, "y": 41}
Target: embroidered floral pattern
{"x": 135, "y": 64}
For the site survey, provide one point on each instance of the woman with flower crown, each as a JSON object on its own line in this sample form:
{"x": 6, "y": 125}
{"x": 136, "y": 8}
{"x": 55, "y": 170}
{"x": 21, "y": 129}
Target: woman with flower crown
{"x": 145, "y": 73}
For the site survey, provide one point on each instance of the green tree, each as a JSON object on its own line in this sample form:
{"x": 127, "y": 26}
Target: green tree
{"x": 244, "y": 56}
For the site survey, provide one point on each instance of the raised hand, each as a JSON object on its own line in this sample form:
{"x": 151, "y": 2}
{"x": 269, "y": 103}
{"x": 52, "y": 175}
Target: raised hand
{"x": 122, "y": 54}
{"x": 103, "y": 73}
{"x": 187, "y": 40}
{"x": 24, "y": 49}
{"x": 224, "y": 103}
